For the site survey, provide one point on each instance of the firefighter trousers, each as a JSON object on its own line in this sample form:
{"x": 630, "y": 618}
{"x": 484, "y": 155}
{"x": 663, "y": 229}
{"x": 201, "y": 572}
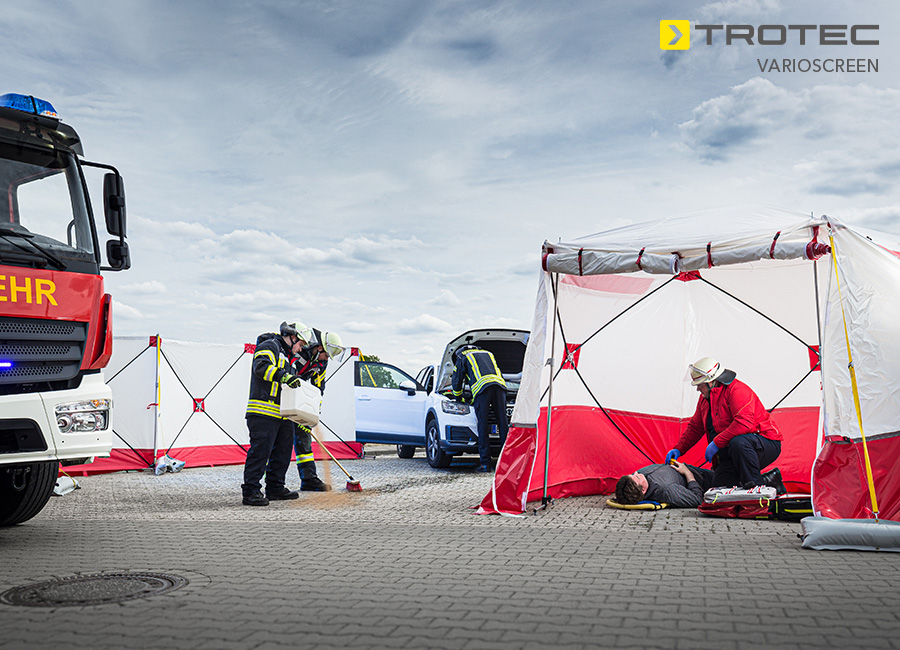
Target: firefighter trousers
{"x": 492, "y": 395}
{"x": 269, "y": 454}
{"x": 306, "y": 463}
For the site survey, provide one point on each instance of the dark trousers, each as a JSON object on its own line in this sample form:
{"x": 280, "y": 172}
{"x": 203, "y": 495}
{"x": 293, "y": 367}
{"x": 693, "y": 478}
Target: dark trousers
{"x": 306, "y": 465}
{"x": 270, "y": 452}
{"x": 491, "y": 395}
{"x": 742, "y": 458}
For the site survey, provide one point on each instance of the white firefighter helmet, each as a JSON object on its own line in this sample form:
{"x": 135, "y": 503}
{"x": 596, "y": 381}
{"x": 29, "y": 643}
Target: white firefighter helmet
{"x": 295, "y": 328}
{"x": 705, "y": 370}
{"x": 333, "y": 344}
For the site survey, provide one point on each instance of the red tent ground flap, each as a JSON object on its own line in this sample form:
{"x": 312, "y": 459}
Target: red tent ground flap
{"x": 205, "y": 456}
{"x": 588, "y": 453}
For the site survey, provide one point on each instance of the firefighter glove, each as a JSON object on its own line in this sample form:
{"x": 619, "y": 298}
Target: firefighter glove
{"x": 291, "y": 381}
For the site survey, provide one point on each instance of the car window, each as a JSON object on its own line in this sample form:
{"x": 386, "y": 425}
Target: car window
{"x": 370, "y": 374}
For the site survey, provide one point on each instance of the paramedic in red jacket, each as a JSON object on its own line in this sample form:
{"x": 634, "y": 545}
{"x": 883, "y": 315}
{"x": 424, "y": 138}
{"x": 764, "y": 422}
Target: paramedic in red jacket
{"x": 739, "y": 432}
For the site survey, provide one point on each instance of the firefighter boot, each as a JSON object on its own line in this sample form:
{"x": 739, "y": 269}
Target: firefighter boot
{"x": 255, "y": 498}
{"x": 309, "y": 481}
{"x": 314, "y": 484}
{"x": 283, "y": 494}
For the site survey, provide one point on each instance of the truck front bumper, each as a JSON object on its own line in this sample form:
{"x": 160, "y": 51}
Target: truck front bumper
{"x": 40, "y": 409}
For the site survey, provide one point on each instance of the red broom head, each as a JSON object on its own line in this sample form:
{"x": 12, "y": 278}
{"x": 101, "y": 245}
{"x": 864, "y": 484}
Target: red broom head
{"x": 354, "y": 486}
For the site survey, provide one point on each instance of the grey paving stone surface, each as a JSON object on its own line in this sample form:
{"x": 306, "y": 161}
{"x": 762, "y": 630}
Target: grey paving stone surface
{"x": 406, "y": 564}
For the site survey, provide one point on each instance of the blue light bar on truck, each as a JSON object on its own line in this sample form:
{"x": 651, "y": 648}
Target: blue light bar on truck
{"x": 28, "y": 104}
{"x": 5, "y": 364}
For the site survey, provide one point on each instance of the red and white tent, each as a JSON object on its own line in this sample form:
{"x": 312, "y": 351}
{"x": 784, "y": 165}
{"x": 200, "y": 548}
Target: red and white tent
{"x": 188, "y": 400}
{"x": 753, "y": 287}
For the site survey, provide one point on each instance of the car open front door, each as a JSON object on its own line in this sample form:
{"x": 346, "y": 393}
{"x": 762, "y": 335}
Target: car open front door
{"x": 389, "y": 405}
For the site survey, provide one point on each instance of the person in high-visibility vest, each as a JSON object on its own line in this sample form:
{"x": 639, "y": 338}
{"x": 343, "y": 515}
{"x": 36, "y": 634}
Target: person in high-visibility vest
{"x": 271, "y": 435}
{"x": 313, "y": 361}
{"x": 479, "y": 369}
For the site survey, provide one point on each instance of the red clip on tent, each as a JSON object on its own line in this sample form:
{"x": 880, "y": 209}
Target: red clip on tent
{"x": 756, "y": 289}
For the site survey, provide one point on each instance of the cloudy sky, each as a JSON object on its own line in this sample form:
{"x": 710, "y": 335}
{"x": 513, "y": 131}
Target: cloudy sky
{"x": 389, "y": 169}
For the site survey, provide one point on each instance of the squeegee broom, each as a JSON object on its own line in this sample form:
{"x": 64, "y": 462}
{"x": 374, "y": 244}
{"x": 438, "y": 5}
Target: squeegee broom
{"x": 352, "y": 484}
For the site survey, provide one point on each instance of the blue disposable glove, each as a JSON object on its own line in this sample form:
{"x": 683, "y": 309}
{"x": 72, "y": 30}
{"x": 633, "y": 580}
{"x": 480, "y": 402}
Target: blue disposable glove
{"x": 711, "y": 450}
{"x": 672, "y": 455}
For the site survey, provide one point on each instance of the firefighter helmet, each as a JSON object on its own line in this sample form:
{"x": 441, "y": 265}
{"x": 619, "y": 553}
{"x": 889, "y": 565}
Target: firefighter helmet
{"x": 333, "y": 344}
{"x": 295, "y": 328}
{"x": 705, "y": 370}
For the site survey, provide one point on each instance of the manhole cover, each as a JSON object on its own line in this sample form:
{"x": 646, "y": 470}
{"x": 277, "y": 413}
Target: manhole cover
{"x": 96, "y": 589}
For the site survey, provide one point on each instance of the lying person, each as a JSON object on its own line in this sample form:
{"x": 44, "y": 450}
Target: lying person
{"x": 679, "y": 485}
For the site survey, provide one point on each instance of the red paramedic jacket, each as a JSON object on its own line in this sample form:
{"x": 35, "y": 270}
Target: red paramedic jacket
{"x": 736, "y": 410}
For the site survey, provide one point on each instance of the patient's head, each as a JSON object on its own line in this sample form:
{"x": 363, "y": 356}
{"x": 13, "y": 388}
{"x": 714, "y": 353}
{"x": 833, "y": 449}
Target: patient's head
{"x": 631, "y": 489}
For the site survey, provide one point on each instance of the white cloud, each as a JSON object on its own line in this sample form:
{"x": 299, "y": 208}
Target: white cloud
{"x": 422, "y": 324}
{"x": 150, "y": 287}
{"x": 356, "y": 327}
{"x": 445, "y": 298}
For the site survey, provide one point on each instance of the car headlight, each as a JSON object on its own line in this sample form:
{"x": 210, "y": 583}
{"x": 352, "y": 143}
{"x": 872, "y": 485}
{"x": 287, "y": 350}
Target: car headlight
{"x": 84, "y": 416}
{"x": 456, "y": 408}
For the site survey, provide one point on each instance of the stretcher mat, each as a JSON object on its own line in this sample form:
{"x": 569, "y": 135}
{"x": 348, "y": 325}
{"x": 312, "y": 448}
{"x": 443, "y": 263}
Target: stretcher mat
{"x": 787, "y": 507}
{"x": 643, "y": 505}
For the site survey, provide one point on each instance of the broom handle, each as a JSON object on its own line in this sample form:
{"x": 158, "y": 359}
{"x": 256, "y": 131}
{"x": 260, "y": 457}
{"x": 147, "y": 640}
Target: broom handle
{"x": 327, "y": 451}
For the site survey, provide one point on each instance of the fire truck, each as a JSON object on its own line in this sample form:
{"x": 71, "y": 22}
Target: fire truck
{"x": 55, "y": 318}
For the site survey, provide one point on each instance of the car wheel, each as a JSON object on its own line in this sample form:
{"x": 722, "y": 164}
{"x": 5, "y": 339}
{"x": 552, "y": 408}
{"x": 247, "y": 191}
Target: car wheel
{"x": 406, "y": 451}
{"x": 435, "y": 455}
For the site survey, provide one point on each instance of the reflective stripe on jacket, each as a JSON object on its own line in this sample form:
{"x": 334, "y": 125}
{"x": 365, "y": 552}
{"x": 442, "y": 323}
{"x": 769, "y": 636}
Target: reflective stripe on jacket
{"x": 736, "y": 410}
{"x": 478, "y": 368}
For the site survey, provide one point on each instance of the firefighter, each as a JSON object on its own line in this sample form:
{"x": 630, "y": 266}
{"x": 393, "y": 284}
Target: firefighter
{"x": 742, "y": 437}
{"x": 311, "y": 363}
{"x": 270, "y": 434}
{"x": 479, "y": 369}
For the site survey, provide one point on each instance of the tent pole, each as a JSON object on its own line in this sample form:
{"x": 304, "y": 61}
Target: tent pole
{"x": 546, "y": 500}
{"x": 156, "y": 406}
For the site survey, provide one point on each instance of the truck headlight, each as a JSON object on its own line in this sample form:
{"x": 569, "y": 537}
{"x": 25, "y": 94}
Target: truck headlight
{"x": 84, "y": 416}
{"x": 456, "y": 408}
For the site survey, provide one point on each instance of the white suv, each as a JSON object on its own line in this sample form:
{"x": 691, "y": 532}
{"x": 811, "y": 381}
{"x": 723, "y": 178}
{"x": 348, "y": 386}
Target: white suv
{"x": 393, "y": 408}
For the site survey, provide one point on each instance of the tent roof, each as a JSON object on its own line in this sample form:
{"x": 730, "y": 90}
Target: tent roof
{"x": 689, "y": 242}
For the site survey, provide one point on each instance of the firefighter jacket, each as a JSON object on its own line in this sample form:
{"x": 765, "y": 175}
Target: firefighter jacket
{"x": 479, "y": 369}
{"x": 309, "y": 368}
{"x": 734, "y": 410}
{"x": 271, "y": 361}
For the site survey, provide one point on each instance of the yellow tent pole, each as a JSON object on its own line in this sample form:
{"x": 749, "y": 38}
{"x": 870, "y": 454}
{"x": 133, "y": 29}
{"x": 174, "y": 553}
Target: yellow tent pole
{"x": 869, "y": 478}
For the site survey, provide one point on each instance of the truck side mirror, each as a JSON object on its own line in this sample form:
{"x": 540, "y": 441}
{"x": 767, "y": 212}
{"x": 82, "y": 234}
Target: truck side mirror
{"x": 114, "y": 205}
{"x": 117, "y": 254}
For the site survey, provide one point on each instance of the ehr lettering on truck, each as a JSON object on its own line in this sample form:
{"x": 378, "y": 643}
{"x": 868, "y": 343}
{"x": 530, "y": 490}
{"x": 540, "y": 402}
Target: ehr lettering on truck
{"x": 55, "y": 319}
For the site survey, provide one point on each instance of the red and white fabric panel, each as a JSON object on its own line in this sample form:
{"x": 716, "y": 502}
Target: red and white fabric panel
{"x": 588, "y": 453}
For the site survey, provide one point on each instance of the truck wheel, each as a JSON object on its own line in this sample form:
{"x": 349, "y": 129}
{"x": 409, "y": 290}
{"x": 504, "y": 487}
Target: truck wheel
{"x": 406, "y": 451}
{"x": 25, "y": 490}
{"x": 435, "y": 455}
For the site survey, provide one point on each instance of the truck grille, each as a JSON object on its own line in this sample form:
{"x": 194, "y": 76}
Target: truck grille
{"x": 39, "y": 351}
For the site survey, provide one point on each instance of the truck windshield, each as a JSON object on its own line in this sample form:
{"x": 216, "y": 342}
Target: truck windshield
{"x": 44, "y": 220}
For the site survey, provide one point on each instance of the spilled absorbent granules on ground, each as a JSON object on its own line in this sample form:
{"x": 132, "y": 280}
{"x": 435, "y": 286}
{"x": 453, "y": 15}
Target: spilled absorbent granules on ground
{"x": 338, "y": 497}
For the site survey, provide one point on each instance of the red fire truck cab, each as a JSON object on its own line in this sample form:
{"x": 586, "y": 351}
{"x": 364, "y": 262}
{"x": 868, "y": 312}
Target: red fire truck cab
{"x": 55, "y": 318}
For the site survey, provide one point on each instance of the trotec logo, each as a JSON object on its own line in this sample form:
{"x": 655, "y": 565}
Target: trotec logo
{"x": 674, "y": 34}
